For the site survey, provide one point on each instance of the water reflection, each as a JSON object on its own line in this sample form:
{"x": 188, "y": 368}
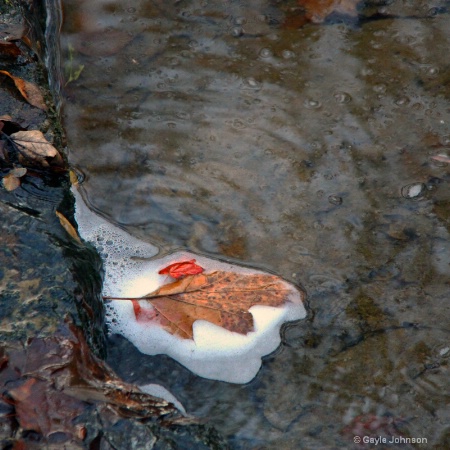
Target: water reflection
{"x": 212, "y": 127}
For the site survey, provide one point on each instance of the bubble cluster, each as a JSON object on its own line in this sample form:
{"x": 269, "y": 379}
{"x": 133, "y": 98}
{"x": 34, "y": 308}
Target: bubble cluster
{"x": 123, "y": 255}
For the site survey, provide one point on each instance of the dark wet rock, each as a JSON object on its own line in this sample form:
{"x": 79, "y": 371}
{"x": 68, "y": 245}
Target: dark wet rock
{"x": 46, "y": 276}
{"x": 56, "y": 391}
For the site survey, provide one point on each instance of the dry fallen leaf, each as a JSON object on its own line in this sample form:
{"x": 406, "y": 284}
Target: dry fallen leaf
{"x": 11, "y": 181}
{"x": 36, "y": 150}
{"x": 34, "y": 397}
{"x": 30, "y": 92}
{"x": 68, "y": 226}
{"x": 222, "y": 298}
{"x": 47, "y": 383}
{"x": 73, "y": 178}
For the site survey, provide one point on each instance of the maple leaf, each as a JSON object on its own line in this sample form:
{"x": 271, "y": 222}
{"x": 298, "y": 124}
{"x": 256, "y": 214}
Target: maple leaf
{"x": 181, "y": 269}
{"x": 222, "y": 298}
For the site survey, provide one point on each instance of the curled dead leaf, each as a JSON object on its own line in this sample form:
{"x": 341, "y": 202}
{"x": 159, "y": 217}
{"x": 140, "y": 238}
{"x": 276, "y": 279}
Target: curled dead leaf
{"x": 35, "y": 150}
{"x": 68, "y": 226}
{"x": 30, "y": 92}
{"x": 11, "y": 181}
{"x": 73, "y": 177}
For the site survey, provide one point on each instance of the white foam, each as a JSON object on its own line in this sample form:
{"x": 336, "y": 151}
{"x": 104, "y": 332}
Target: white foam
{"x": 121, "y": 253}
{"x": 214, "y": 352}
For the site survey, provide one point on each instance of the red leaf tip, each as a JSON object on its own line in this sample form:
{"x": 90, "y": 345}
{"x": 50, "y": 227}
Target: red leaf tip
{"x": 181, "y": 269}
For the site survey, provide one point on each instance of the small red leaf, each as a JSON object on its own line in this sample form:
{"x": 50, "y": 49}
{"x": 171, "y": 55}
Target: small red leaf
{"x": 181, "y": 269}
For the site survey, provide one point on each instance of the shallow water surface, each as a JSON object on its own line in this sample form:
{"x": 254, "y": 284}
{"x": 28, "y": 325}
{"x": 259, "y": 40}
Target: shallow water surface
{"x": 219, "y": 128}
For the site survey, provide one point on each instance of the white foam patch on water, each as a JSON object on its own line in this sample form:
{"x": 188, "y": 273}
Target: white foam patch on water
{"x": 214, "y": 352}
{"x": 121, "y": 253}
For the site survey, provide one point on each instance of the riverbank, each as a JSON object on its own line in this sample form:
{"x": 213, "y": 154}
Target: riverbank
{"x": 57, "y": 391}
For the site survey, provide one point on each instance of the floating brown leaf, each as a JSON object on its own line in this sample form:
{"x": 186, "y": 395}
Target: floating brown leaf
{"x": 36, "y": 150}
{"x": 30, "y": 92}
{"x": 222, "y": 298}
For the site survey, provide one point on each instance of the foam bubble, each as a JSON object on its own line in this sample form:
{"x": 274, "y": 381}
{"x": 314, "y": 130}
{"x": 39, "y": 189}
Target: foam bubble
{"x": 214, "y": 352}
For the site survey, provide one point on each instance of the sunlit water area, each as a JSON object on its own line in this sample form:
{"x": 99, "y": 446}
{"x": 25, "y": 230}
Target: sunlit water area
{"x": 315, "y": 146}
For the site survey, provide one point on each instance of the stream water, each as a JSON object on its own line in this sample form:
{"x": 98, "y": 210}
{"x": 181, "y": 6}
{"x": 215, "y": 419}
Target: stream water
{"x": 220, "y": 128}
